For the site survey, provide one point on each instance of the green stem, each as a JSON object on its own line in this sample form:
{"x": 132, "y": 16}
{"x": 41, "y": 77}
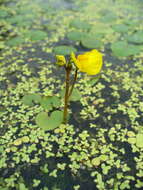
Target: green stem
{"x": 74, "y": 80}
{"x": 65, "y": 113}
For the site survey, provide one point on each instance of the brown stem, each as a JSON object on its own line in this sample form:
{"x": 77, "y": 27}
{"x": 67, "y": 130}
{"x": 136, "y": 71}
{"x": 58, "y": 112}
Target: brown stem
{"x": 66, "y": 95}
{"x": 74, "y": 80}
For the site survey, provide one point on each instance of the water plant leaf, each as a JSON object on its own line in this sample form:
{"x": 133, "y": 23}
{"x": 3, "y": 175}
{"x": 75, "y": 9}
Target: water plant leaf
{"x": 76, "y": 95}
{"x": 123, "y": 49}
{"x": 64, "y": 50}
{"x": 96, "y": 161}
{"x": 56, "y": 101}
{"x": 93, "y": 81}
{"x": 91, "y": 42}
{"x": 110, "y": 17}
{"x": 22, "y": 186}
{"x": 84, "y": 25}
{"x": 102, "y": 29}
{"x": 76, "y": 36}
{"x": 16, "y": 19}
{"x": 139, "y": 140}
{"x": 17, "y": 142}
{"x": 15, "y": 41}
{"x": 136, "y": 37}
{"x": 120, "y": 28}
{"x": 30, "y": 98}
{"x": 35, "y": 35}
{"x": 49, "y": 122}
{"x": 3, "y": 13}
{"x": 48, "y": 102}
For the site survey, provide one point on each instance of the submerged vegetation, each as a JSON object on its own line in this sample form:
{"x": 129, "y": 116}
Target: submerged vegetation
{"x": 101, "y": 147}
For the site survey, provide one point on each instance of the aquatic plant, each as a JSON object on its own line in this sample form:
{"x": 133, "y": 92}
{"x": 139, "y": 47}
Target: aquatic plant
{"x": 89, "y": 62}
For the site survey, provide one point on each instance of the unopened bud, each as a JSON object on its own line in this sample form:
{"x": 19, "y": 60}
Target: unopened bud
{"x": 61, "y": 61}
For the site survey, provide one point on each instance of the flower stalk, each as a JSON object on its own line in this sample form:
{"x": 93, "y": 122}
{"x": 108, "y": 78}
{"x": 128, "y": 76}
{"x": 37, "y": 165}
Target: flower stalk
{"x": 66, "y": 97}
{"x": 74, "y": 80}
{"x": 89, "y": 63}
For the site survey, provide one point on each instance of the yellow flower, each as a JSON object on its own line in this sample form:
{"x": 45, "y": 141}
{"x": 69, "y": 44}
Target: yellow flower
{"x": 89, "y": 62}
{"x": 60, "y": 60}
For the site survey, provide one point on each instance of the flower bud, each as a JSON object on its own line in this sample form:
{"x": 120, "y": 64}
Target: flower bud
{"x": 61, "y": 61}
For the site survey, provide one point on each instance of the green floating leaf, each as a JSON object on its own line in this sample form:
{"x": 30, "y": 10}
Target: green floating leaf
{"x": 91, "y": 42}
{"x": 123, "y": 49}
{"x": 30, "y": 98}
{"x": 76, "y": 23}
{"x": 132, "y": 23}
{"x": 102, "y": 29}
{"x": 49, "y": 102}
{"x": 49, "y": 122}
{"x": 120, "y": 28}
{"x": 136, "y": 37}
{"x": 75, "y": 96}
{"x": 139, "y": 140}
{"x": 64, "y": 50}
{"x": 36, "y": 35}
{"x": 46, "y": 103}
{"x": 3, "y": 13}
{"x": 15, "y": 41}
{"x": 56, "y": 101}
{"x": 16, "y": 19}
{"x": 94, "y": 80}
{"x": 110, "y": 17}
{"x": 22, "y": 186}
{"x": 76, "y": 36}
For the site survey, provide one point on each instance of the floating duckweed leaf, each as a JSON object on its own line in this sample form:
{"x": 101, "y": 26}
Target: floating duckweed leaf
{"x": 13, "y": 149}
{"x": 15, "y": 41}
{"x": 120, "y": 28}
{"x": 64, "y": 50}
{"x": 36, "y": 35}
{"x": 136, "y": 37}
{"x": 96, "y": 161}
{"x": 139, "y": 140}
{"x": 76, "y": 23}
{"x": 2, "y": 45}
{"x": 103, "y": 157}
{"x": 91, "y": 42}
{"x": 130, "y": 134}
{"x": 131, "y": 140}
{"x": 30, "y": 98}
{"x": 49, "y": 122}
{"x": 17, "y": 142}
{"x": 25, "y": 139}
{"x": 123, "y": 49}
{"x": 75, "y": 35}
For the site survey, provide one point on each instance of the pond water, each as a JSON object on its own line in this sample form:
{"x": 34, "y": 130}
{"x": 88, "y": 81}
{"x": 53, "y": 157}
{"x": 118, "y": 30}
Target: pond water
{"x": 101, "y": 147}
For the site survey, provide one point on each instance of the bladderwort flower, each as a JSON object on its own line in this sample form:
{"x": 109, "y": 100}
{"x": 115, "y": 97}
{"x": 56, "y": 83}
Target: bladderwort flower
{"x": 90, "y": 63}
